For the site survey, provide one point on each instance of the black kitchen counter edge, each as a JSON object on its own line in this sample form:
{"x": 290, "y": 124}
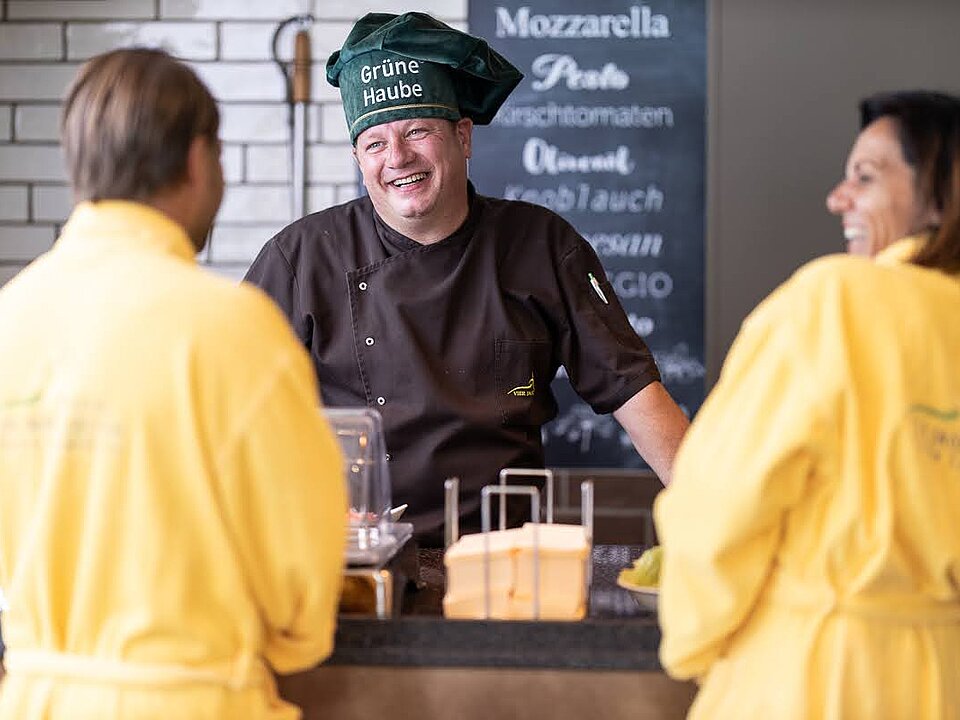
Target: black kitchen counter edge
{"x": 616, "y": 635}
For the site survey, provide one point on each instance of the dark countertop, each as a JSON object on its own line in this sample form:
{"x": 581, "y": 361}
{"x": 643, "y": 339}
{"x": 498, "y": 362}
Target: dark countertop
{"x": 616, "y": 635}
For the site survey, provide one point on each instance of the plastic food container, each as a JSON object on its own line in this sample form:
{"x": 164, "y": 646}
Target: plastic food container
{"x": 372, "y": 536}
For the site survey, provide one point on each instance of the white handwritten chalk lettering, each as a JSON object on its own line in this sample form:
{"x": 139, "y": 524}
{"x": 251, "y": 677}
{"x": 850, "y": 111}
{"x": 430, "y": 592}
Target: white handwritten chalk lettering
{"x": 551, "y": 68}
{"x": 559, "y": 199}
{"x": 635, "y": 284}
{"x": 541, "y": 157}
{"x": 580, "y": 424}
{"x": 640, "y": 23}
{"x": 678, "y": 365}
{"x": 389, "y": 67}
{"x": 603, "y": 200}
{"x": 397, "y": 91}
{"x": 552, "y": 114}
{"x": 635, "y": 244}
{"x": 641, "y": 324}
{"x": 586, "y": 198}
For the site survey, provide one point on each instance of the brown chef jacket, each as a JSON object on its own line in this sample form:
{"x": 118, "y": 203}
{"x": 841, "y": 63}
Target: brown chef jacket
{"x": 455, "y": 343}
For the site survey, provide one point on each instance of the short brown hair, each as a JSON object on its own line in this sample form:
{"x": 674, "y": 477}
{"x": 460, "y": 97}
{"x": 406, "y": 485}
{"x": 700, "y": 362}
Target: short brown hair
{"x": 128, "y": 122}
{"x": 928, "y": 127}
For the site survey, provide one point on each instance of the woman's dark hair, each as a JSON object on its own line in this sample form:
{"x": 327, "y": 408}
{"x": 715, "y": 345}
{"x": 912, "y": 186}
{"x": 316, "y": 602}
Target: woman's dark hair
{"x": 128, "y": 121}
{"x": 928, "y": 127}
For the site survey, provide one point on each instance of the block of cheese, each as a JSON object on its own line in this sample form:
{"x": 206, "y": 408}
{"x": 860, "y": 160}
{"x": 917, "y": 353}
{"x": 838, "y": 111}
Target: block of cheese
{"x": 564, "y": 551}
{"x": 464, "y": 569}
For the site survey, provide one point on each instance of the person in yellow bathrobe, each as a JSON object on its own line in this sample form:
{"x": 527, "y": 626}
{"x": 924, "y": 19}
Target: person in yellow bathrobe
{"x": 811, "y": 564}
{"x": 172, "y": 504}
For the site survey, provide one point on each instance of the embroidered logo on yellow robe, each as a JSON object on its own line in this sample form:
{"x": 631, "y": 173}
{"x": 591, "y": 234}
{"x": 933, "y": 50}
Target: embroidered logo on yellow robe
{"x": 936, "y": 431}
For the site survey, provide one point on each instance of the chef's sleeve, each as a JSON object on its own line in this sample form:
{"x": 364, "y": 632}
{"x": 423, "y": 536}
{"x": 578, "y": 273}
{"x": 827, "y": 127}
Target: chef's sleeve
{"x": 286, "y": 505}
{"x": 744, "y": 463}
{"x": 274, "y": 273}
{"x": 606, "y": 360}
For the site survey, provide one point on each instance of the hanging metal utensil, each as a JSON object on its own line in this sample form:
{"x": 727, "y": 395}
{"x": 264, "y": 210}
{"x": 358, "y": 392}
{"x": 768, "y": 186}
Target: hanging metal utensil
{"x": 296, "y": 77}
{"x": 301, "y": 96}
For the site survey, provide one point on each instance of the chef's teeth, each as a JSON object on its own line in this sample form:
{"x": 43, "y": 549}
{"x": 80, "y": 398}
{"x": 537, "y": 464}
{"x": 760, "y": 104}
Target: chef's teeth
{"x": 407, "y": 180}
{"x": 852, "y": 233}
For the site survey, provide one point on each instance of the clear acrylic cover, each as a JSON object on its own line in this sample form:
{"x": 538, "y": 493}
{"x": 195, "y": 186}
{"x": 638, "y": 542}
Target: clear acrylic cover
{"x": 371, "y": 535}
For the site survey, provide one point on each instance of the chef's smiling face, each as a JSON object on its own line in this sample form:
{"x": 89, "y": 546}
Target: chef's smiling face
{"x": 878, "y": 198}
{"x": 416, "y": 174}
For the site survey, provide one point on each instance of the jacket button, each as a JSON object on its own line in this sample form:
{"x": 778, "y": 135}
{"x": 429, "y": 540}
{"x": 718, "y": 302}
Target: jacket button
{"x": 369, "y": 341}
{"x": 362, "y": 286}
{"x": 388, "y": 456}
{"x": 381, "y": 400}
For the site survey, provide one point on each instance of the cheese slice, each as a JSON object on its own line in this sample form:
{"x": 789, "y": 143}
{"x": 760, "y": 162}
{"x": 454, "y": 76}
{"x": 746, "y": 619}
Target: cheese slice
{"x": 564, "y": 551}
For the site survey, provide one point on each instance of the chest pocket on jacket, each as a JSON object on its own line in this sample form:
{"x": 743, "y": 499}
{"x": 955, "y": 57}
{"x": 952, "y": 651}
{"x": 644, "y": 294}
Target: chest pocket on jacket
{"x": 523, "y": 382}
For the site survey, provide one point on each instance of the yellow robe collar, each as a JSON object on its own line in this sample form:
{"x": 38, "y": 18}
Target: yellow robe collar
{"x": 901, "y": 251}
{"x": 121, "y": 224}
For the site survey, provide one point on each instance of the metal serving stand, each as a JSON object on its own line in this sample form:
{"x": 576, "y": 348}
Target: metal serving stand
{"x": 452, "y": 515}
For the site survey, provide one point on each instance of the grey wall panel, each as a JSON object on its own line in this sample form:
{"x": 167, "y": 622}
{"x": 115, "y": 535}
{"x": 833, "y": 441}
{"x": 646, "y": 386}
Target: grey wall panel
{"x": 785, "y": 77}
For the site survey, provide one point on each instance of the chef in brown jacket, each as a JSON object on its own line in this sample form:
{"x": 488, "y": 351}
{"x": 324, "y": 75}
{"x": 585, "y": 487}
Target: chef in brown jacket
{"x": 446, "y": 311}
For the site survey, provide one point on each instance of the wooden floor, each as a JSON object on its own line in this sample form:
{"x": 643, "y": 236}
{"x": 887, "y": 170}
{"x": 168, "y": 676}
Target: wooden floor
{"x": 365, "y": 693}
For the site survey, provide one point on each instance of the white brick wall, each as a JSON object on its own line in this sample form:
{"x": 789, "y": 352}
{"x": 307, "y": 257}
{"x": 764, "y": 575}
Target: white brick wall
{"x": 13, "y": 203}
{"x": 265, "y": 123}
{"x": 43, "y": 42}
{"x": 268, "y": 163}
{"x": 22, "y": 243}
{"x": 255, "y": 204}
{"x": 230, "y": 82}
{"x": 31, "y": 162}
{"x": 252, "y": 41}
{"x": 328, "y": 124}
{"x": 29, "y": 83}
{"x": 37, "y": 123}
{"x": 7, "y": 272}
{"x": 331, "y": 164}
{"x": 189, "y": 41}
{"x": 350, "y": 9}
{"x": 237, "y": 9}
{"x": 51, "y": 203}
{"x": 6, "y": 113}
{"x": 79, "y": 9}
{"x": 232, "y": 160}
{"x": 30, "y": 41}
{"x": 238, "y": 244}
{"x": 321, "y": 196}
{"x": 246, "y": 41}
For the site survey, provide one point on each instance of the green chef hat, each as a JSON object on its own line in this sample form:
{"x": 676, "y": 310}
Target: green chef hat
{"x": 394, "y": 67}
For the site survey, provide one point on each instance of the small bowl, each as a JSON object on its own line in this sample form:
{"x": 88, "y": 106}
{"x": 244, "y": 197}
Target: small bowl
{"x": 645, "y": 596}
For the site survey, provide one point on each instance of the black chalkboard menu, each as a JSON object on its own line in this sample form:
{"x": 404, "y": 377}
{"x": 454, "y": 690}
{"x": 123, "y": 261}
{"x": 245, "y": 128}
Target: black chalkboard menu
{"x": 608, "y": 129}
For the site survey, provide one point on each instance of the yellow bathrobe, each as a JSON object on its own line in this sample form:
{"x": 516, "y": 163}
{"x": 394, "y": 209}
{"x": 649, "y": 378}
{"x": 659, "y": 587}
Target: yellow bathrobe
{"x": 812, "y": 531}
{"x": 171, "y": 504}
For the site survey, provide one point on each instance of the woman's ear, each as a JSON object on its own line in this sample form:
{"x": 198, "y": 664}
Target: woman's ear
{"x": 197, "y": 159}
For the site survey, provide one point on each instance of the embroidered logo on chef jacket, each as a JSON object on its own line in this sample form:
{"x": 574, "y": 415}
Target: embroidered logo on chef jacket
{"x": 526, "y": 390}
